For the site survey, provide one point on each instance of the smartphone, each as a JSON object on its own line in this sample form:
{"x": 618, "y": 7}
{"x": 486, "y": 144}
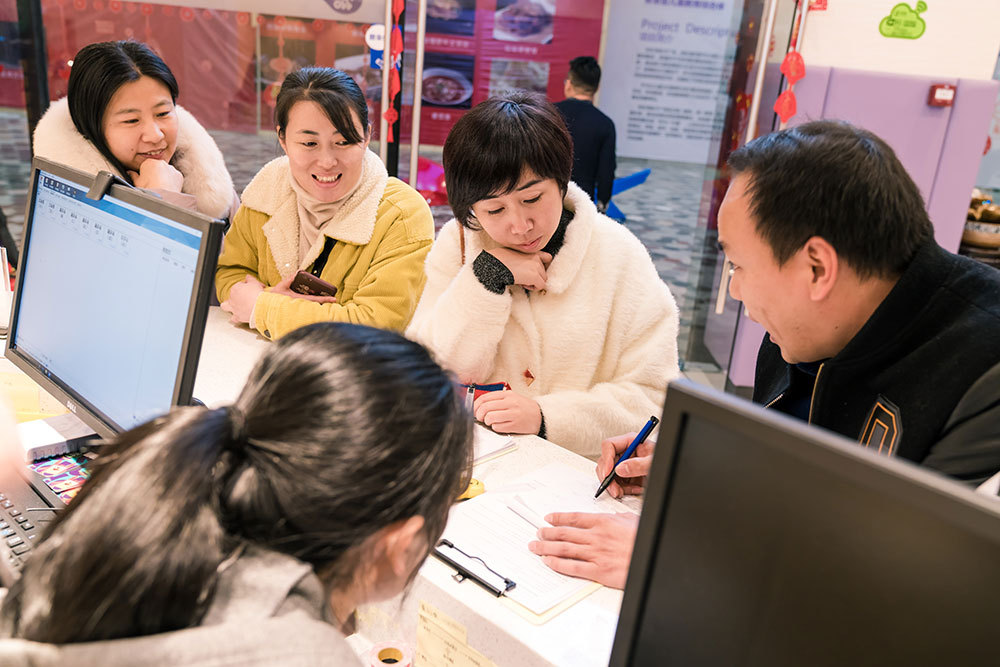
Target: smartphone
{"x": 308, "y": 284}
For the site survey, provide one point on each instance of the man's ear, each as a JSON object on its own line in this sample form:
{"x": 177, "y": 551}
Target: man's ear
{"x": 823, "y": 264}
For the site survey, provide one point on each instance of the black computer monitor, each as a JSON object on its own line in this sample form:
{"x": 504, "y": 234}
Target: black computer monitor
{"x": 111, "y": 298}
{"x": 767, "y": 542}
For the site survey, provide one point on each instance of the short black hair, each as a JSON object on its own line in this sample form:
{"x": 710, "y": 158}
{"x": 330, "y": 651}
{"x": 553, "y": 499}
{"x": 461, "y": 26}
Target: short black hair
{"x": 585, "y": 73}
{"x": 490, "y": 147}
{"x": 333, "y": 90}
{"x": 98, "y": 71}
{"x": 834, "y": 180}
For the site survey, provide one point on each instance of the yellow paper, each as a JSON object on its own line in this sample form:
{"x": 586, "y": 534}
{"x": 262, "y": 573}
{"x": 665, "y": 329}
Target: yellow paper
{"x": 436, "y": 645}
{"x": 446, "y": 622}
{"x": 26, "y": 398}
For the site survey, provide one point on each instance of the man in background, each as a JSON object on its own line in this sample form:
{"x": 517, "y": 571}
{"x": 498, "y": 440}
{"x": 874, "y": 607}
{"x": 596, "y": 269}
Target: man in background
{"x": 593, "y": 133}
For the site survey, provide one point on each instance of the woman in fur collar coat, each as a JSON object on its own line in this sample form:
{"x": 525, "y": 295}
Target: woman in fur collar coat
{"x": 529, "y": 285}
{"x": 329, "y": 208}
{"x": 120, "y": 116}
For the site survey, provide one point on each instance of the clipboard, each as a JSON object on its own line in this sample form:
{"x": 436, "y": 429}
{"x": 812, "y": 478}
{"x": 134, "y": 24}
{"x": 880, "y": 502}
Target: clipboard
{"x": 474, "y": 568}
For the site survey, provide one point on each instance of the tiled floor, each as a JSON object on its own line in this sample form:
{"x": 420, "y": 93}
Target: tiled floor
{"x": 663, "y": 213}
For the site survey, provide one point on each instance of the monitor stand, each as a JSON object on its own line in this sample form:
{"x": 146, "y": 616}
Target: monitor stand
{"x": 52, "y": 436}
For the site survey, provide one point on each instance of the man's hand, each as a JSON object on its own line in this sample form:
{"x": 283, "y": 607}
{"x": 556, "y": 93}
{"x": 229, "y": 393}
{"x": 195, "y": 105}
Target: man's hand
{"x": 242, "y": 297}
{"x": 630, "y": 476}
{"x": 157, "y": 175}
{"x": 508, "y": 412}
{"x": 528, "y": 269}
{"x": 589, "y": 546}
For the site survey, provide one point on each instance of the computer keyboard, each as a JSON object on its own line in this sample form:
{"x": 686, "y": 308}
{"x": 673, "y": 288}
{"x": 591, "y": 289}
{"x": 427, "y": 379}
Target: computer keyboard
{"x": 24, "y": 515}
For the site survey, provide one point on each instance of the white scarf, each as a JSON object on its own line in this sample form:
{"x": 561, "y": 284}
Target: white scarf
{"x": 315, "y": 214}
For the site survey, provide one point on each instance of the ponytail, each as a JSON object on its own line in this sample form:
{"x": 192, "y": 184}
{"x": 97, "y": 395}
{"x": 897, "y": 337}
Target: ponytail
{"x": 137, "y": 551}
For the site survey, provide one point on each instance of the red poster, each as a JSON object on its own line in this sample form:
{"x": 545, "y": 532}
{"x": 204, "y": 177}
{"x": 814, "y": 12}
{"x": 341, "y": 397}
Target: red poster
{"x": 478, "y": 48}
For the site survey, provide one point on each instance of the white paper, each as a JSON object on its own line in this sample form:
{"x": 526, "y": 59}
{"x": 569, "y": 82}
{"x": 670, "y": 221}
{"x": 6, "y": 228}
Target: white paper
{"x": 498, "y": 525}
{"x": 489, "y": 444}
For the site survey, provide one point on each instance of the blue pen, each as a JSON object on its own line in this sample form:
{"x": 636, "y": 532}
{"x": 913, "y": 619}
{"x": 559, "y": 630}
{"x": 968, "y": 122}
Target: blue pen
{"x": 629, "y": 451}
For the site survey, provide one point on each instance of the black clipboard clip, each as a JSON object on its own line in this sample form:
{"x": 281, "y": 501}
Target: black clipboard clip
{"x": 473, "y": 568}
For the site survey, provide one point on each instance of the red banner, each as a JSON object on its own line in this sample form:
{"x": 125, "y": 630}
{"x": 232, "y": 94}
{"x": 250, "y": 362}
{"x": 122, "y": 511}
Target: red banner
{"x": 478, "y": 48}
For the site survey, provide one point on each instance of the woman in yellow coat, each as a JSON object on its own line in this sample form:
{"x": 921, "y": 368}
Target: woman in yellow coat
{"x": 327, "y": 207}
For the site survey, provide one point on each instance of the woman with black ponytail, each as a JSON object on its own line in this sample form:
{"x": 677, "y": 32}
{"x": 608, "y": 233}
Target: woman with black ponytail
{"x": 249, "y": 534}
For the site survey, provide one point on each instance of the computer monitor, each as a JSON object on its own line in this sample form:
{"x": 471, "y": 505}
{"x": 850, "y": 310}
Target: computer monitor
{"x": 765, "y": 541}
{"x": 111, "y": 298}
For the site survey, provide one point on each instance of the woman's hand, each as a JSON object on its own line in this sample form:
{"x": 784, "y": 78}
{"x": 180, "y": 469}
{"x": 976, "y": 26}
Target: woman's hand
{"x": 508, "y": 412}
{"x": 285, "y": 288}
{"x": 242, "y": 297}
{"x": 157, "y": 175}
{"x": 529, "y": 270}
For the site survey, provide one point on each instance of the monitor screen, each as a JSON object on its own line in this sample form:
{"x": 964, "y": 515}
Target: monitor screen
{"x": 764, "y": 541}
{"x": 111, "y": 298}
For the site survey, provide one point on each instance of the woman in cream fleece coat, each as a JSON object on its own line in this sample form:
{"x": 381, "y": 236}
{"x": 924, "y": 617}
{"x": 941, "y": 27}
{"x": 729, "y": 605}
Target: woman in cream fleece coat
{"x": 588, "y": 333}
{"x": 328, "y": 207}
{"x": 119, "y": 114}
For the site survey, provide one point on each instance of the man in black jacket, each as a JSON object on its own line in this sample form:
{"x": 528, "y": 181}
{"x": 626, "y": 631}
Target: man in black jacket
{"x": 593, "y": 132}
{"x": 874, "y": 331}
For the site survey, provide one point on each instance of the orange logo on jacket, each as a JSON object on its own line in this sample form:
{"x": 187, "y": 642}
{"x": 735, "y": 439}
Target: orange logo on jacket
{"x": 883, "y": 428}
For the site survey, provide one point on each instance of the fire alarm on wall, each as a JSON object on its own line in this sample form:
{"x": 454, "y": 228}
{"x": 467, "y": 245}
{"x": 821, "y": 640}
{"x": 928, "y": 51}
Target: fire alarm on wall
{"x": 941, "y": 95}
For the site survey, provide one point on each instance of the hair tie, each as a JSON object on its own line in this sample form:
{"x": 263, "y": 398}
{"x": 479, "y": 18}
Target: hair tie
{"x": 237, "y": 425}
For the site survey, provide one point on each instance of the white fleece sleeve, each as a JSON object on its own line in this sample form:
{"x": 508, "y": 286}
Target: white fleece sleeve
{"x": 642, "y": 337}
{"x": 457, "y": 318}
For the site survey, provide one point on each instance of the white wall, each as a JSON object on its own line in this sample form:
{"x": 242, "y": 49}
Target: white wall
{"x": 961, "y": 40}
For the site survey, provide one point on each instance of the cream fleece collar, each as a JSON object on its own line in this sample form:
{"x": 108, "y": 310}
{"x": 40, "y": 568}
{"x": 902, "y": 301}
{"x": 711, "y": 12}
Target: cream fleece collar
{"x": 197, "y": 157}
{"x": 271, "y": 193}
{"x": 567, "y": 262}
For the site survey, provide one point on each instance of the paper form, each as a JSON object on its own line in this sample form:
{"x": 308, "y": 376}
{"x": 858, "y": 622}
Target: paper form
{"x": 489, "y": 444}
{"x": 498, "y": 525}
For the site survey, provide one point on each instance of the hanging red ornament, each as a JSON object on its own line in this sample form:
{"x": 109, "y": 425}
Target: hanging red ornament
{"x": 785, "y": 105}
{"x": 187, "y": 14}
{"x": 793, "y": 67}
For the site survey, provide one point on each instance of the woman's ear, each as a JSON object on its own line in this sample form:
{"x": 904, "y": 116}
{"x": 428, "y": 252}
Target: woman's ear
{"x": 281, "y": 138}
{"x": 402, "y": 543}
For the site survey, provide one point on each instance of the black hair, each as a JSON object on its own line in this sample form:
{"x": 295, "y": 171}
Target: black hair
{"x": 340, "y": 431}
{"x": 489, "y": 149}
{"x": 334, "y": 91}
{"x": 98, "y": 71}
{"x": 585, "y": 73}
{"x": 837, "y": 181}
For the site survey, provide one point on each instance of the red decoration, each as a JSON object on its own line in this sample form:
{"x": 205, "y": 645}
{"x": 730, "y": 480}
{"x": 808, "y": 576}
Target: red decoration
{"x": 785, "y": 105}
{"x": 145, "y": 10}
{"x": 80, "y": 4}
{"x": 187, "y": 14}
{"x": 206, "y": 14}
{"x": 279, "y": 21}
{"x": 115, "y": 6}
{"x": 793, "y": 67}
{"x": 167, "y": 10}
{"x": 317, "y": 25}
{"x": 242, "y": 18}
{"x": 261, "y": 20}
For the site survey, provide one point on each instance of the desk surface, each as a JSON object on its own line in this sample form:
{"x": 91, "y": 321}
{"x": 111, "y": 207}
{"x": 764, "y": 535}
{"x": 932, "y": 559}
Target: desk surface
{"x": 582, "y": 635}
{"x": 228, "y": 352}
